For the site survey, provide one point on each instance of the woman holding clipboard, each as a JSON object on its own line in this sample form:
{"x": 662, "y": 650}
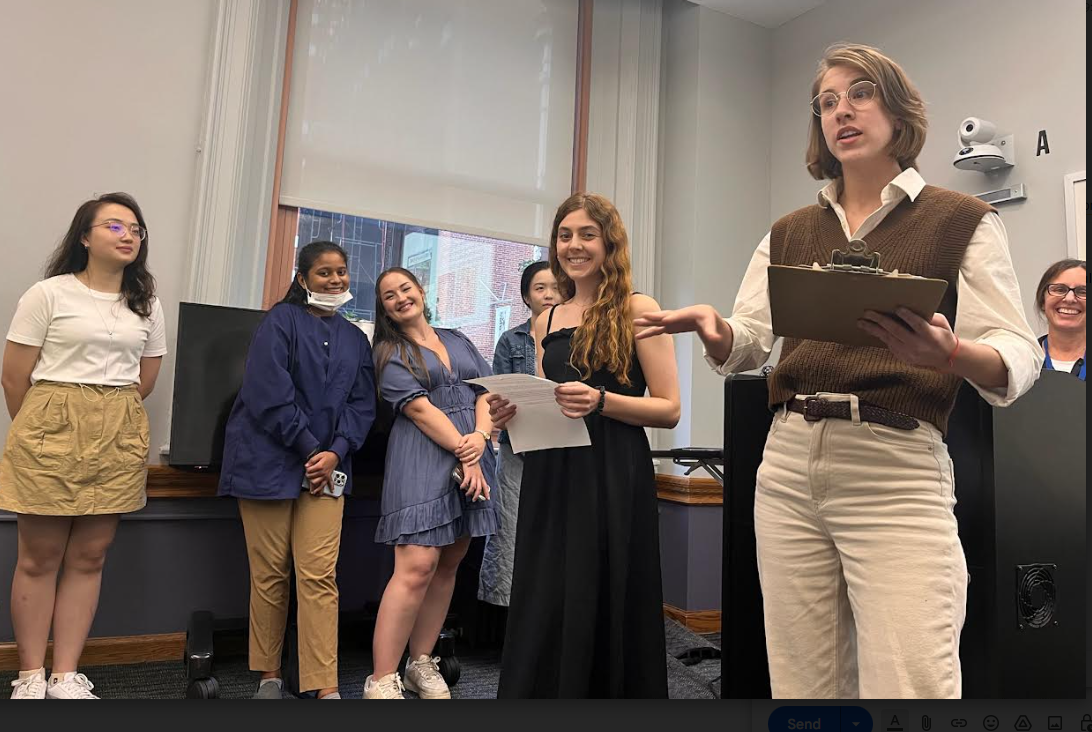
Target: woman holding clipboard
{"x": 862, "y": 572}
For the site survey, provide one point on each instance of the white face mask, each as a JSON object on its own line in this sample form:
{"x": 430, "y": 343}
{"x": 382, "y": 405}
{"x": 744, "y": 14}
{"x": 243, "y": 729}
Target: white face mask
{"x": 328, "y": 302}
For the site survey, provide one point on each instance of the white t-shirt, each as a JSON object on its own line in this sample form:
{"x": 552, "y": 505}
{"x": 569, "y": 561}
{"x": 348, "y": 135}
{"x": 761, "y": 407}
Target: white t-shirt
{"x": 72, "y": 325}
{"x": 1066, "y": 366}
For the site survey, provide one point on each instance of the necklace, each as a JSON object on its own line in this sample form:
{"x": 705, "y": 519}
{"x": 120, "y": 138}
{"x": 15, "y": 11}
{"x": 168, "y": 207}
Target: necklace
{"x": 109, "y": 329}
{"x": 117, "y": 312}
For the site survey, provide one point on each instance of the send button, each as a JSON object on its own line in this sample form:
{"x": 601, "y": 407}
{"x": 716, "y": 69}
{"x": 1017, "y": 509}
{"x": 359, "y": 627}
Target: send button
{"x": 820, "y": 719}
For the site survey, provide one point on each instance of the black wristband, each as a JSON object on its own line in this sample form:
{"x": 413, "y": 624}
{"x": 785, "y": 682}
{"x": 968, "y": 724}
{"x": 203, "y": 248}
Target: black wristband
{"x": 602, "y": 400}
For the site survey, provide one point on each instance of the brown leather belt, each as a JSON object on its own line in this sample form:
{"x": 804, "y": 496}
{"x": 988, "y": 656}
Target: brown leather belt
{"x": 815, "y": 409}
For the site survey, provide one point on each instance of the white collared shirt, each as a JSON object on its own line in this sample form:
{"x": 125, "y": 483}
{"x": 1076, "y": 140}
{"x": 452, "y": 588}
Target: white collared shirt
{"x": 988, "y": 309}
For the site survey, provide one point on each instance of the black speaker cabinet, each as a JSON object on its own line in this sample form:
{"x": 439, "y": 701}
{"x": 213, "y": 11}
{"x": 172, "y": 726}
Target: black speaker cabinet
{"x": 744, "y": 671}
{"x": 1020, "y": 487}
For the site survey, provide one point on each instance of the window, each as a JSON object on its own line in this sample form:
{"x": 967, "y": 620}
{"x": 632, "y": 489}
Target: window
{"x": 420, "y": 137}
{"x": 452, "y": 114}
{"x": 471, "y": 282}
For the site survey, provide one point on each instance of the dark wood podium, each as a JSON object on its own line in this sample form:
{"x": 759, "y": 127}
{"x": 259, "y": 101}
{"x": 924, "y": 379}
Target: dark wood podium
{"x": 1020, "y": 485}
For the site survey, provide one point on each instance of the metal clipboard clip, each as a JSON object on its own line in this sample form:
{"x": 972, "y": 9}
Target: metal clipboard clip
{"x": 857, "y": 257}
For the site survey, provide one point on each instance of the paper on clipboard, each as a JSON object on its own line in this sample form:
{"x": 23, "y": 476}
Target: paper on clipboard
{"x": 538, "y": 423}
{"x": 825, "y": 303}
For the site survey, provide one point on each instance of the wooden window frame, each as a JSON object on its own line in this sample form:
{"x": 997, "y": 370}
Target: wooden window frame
{"x": 284, "y": 220}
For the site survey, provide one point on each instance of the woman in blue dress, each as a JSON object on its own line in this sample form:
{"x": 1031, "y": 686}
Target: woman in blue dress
{"x": 306, "y": 404}
{"x": 441, "y": 424}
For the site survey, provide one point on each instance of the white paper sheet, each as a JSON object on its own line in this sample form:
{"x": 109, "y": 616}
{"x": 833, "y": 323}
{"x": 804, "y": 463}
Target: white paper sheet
{"x": 538, "y": 423}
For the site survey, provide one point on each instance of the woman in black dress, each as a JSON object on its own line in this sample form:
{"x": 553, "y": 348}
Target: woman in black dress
{"x": 586, "y": 613}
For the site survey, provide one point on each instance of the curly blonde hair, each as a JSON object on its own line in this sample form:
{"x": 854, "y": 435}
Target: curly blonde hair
{"x": 605, "y": 338}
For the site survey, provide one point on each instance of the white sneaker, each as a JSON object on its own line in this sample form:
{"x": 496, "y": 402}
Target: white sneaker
{"x": 72, "y": 686}
{"x": 30, "y": 688}
{"x": 423, "y": 677}
{"x": 388, "y": 687}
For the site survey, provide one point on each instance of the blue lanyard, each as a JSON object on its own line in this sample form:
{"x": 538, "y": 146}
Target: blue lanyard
{"x": 1050, "y": 364}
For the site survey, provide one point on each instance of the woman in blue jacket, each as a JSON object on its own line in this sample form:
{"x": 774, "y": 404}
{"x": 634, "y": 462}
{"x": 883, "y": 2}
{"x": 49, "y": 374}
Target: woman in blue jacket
{"x": 306, "y": 404}
{"x": 514, "y": 354}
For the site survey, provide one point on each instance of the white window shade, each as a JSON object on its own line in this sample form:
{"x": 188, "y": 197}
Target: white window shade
{"x": 453, "y": 114}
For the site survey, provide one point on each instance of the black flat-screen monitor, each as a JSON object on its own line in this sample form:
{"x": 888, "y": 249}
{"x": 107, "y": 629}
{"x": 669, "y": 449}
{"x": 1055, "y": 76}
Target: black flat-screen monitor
{"x": 211, "y": 357}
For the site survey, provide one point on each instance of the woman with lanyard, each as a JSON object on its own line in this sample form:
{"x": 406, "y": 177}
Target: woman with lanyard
{"x": 83, "y": 352}
{"x": 306, "y": 404}
{"x": 863, "y": 575}
{"x": 515, "y": 354}
{"x": 1061, "y": 299}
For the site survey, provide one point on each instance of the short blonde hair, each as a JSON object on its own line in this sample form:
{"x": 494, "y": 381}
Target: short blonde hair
{"x": 899, "y": 96}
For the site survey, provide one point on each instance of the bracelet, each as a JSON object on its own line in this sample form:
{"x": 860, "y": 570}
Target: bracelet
{"x": 602, "y": 400}
{"x": 951, "y": 358}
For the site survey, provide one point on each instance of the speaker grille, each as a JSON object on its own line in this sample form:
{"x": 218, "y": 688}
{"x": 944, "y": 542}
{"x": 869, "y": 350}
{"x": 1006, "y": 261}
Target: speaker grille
{"x": 1036, "y": 595}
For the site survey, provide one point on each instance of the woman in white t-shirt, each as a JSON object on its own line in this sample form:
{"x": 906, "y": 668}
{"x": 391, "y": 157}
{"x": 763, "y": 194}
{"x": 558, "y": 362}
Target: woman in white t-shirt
{"x": 83, "y": 352}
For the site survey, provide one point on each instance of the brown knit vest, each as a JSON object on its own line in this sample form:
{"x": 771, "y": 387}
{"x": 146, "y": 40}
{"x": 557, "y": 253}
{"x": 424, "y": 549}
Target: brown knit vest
{"x": 925, "y": 237}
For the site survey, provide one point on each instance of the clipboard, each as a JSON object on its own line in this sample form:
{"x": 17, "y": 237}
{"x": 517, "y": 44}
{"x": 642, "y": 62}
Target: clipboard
{"x": 825, "y": 303}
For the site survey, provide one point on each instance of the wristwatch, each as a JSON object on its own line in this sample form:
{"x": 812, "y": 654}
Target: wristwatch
{"x": 484, "y": 434}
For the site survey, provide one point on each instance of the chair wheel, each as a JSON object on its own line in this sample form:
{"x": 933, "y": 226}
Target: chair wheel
{"x": 203, "y": 689}
{"x": 450, "y": 670}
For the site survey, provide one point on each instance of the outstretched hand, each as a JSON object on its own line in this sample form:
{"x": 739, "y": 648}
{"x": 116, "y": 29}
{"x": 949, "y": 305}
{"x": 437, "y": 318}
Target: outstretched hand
{"x": 700, "y": 319}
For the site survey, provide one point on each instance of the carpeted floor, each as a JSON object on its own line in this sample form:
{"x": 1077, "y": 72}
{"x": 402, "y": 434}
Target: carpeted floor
{"x": 480, "y": 673}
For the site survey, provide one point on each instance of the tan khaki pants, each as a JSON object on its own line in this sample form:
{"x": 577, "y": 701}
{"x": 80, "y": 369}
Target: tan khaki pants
{"x": 864, "y": 580}
{"x": 308, "y": 531}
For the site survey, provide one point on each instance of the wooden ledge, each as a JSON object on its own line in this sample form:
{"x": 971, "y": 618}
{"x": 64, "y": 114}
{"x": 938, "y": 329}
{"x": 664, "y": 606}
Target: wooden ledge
{"x": 698, "y": 621}
{"x": 689, "y": 490}
{"x": 167, "y": 482}
{"x": 110, "y": 651}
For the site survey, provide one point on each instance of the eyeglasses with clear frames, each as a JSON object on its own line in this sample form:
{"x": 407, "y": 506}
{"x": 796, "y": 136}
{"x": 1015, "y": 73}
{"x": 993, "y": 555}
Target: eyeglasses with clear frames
{"x": 118, "y": 229}
{"x": 1059, "y": 290}
{"x": 859, "y": 94}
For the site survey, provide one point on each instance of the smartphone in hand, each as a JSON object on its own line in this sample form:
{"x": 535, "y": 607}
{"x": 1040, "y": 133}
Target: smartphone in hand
{"x": 335, "y": 488}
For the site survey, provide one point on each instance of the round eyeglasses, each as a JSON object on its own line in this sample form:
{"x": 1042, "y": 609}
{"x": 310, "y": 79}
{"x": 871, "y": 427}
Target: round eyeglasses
{"x": 859, "y": 94}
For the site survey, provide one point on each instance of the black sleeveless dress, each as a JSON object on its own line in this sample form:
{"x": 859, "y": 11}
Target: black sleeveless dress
{"x": 586, "y": 611}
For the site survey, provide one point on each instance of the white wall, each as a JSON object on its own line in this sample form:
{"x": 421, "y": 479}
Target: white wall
{"x": 100, "y": 97}
{"x": 715, "y": 182}
{"x": 1023, "y": 70}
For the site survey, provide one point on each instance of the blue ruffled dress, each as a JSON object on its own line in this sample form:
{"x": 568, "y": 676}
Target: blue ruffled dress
{"x": 421, "y": 505}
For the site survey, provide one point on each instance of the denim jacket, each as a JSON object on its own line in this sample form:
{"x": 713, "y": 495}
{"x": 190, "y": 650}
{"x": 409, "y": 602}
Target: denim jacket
{"x": 515, "y": 354}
